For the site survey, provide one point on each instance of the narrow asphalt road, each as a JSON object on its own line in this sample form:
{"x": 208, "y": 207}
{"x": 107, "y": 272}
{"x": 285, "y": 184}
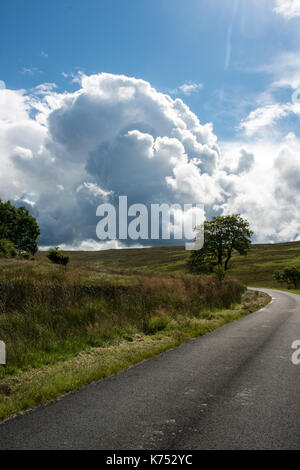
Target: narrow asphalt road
{"x": 235, "y": 388}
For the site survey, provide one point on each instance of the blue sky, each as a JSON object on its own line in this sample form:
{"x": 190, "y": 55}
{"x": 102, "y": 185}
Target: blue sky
{"x": 192, "y": 101}
{"x": 166, "y": 42}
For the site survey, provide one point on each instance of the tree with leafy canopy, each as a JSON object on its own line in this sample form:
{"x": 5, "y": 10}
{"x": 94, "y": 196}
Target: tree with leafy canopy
{"x": 223, "y": 236}
{"x": 20, "y": 227}
{"x": 290, "y": 276}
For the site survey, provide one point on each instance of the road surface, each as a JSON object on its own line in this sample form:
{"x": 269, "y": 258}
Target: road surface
{"x": 235, "y": 388}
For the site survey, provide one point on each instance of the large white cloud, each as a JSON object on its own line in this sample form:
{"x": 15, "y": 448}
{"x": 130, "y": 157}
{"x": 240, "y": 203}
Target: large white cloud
{"x": 68, "y": 152}
{"x": 65, "y": 153}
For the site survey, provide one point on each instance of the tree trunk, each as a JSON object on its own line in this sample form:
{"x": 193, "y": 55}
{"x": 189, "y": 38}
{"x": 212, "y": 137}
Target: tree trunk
{"x": 228, "y": 259}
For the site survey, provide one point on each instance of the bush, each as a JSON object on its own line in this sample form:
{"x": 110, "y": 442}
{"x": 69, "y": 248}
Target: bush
{"x": 57, "y": 257}
{"x": 155, "y": 324}
{"x": 7, "y": 249}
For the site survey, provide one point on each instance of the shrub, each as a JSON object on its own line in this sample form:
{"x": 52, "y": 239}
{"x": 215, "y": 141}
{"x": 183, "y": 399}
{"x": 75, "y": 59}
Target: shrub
{"x": 7, "y": 249}
{"x": 155, "y": 324}
{"x": 57, "y": 257}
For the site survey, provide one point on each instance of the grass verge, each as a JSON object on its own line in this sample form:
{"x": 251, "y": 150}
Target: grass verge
{"x": 49, "y": 315}
{"x": 27, "y": 389}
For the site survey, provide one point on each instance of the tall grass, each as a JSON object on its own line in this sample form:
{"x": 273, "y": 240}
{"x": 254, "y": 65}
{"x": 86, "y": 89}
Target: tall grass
{"x": 53, "y": 313}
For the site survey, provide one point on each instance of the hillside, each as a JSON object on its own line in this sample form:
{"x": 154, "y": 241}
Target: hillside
{"x": 256, "y": 269}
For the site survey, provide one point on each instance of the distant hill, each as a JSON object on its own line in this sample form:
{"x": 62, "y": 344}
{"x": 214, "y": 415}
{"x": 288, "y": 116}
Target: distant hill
{"x": 255, "y": 269}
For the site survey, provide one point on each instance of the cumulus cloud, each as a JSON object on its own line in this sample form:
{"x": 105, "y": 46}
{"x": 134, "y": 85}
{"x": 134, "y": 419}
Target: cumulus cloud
{"x": 238, "y": 162}
{"x": 114, "y": 136}
{"x": 288, "y": 8}
{"x": 246, "y": 162}
{"x": 63, "y": 154}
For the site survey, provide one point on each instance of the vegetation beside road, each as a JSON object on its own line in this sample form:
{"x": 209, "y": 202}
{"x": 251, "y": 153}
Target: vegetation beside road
{"x": 48, "y": 313}
{"x": 68, "y": 326}
{"x": 89, "y": 346}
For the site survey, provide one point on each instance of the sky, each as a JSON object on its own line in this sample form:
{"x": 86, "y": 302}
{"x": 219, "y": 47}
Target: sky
{"x": 164, "y": 101}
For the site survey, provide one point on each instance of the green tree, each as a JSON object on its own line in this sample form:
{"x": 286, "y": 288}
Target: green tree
{"x": 290, "y": 276}
{"x": 19, "y": 226}
{"x": 57, "y": 257}
{"x": 223, "y": 236}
